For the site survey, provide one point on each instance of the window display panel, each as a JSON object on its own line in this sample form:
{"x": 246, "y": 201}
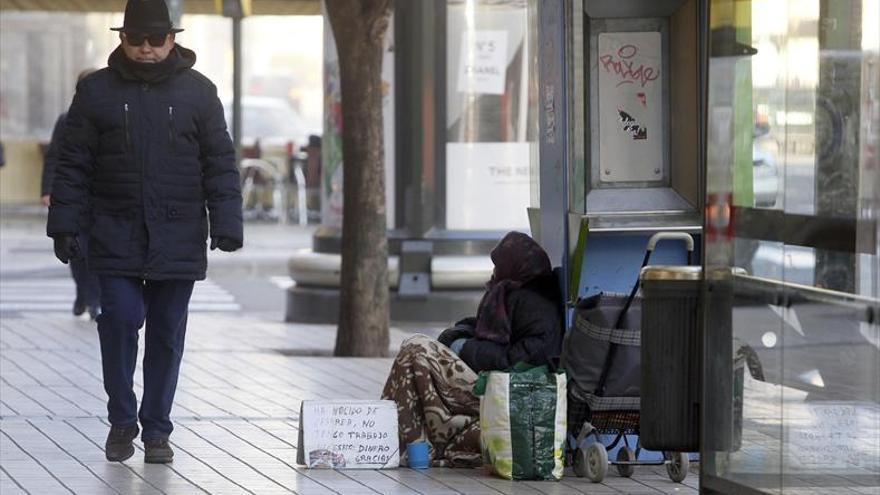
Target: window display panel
{"x": 491, "y": 119}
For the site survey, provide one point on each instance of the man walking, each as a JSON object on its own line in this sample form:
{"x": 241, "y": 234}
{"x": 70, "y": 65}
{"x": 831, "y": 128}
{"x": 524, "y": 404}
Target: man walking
{"x": 146, "y": 149}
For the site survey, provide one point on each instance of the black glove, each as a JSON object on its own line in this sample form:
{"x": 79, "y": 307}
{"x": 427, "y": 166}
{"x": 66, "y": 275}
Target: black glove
{"x": 66, "y": 248}
{"x": 225, "y": 244}
{"x": 459, "y": 331}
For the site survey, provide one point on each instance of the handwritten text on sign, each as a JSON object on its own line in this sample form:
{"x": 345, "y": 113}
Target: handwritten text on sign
{"x": 834, "y": 435}
{"x": 348, "y": 434}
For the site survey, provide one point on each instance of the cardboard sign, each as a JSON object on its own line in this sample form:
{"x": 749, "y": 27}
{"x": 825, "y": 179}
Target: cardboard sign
{"x": 348, "y": 434}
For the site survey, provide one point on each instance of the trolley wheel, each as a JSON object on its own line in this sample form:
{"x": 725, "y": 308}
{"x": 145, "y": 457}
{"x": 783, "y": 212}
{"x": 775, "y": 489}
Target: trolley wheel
{"x": 626, "y": 454}
{"x": 592, "y": 463}
{"x": 678, "y": 465}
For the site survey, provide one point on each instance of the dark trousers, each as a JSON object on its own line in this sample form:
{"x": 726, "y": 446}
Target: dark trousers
{"x": 125, "y": 304}
{"x": 88, "y": 290}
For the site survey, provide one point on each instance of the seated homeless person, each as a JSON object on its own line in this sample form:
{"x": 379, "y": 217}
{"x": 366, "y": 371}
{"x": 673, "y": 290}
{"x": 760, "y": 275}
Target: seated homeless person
{"x": 518, "y": 319}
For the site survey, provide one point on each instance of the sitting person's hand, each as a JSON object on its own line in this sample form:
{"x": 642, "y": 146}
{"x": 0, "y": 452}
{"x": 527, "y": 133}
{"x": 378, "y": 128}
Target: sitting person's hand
{"x": 458, "y": 344}
{"x": 462, "y": 329}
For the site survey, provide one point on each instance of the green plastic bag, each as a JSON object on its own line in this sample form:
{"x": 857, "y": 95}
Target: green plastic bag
{"x": 523, "y": 422}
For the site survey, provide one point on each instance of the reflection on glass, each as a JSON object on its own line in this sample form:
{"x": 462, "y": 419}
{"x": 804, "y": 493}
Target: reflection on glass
{"x": 800, "y": 399}
{"x": 490, "y": 114}
{"x": 784, "y": 79}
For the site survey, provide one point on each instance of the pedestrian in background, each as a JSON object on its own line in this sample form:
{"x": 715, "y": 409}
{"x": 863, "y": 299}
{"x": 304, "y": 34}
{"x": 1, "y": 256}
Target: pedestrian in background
{"x": 145, "y": 146}
{"x": 88, "y": 292}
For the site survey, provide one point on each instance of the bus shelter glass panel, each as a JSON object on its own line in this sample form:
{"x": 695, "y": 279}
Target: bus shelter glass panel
{"x": 792, "y": 243}
{"x": 491, "y": 149}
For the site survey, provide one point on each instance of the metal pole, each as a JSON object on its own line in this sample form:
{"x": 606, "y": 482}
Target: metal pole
{"x": 554, "y": 131}
{"x": 236, "y": 86}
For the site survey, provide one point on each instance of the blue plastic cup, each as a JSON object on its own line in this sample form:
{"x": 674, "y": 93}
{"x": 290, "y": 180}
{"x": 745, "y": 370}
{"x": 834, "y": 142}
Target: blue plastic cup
{"x": 417, "y": 455}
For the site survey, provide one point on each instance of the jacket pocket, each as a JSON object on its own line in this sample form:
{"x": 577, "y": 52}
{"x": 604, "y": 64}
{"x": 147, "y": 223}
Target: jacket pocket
{"x": 185, "y": 231}
{"x": 110, "y": 236}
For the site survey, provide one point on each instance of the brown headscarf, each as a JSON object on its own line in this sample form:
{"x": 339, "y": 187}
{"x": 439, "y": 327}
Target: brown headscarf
{"x": 518, "y": 260}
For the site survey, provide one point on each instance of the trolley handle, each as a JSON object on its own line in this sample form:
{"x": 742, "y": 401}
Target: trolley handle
{"x": 652, "y": 243}
{"x": 670, "y": 236}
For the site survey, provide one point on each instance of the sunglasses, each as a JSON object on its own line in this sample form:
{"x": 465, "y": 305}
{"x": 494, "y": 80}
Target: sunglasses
{"x": 137, "y": 39}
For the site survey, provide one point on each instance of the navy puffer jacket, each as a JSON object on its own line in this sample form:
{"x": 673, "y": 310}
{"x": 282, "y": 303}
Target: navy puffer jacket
{"x": 144, "y": 160}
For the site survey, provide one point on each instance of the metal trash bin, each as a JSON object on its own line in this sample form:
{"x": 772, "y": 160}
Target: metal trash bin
{"x": 672, "y": 349}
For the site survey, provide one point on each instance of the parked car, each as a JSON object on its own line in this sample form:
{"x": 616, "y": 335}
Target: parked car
{"x": 271, "y": 120}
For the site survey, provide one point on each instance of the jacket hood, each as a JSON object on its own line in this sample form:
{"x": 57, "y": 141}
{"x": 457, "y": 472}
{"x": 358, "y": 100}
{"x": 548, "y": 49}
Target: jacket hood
{"x": 178, "y": 60}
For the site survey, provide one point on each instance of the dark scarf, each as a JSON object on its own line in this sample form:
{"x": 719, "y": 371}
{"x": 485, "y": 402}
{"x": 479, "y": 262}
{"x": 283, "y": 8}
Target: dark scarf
{"x": 518, "y": 260}
{"x": 178, "y": 58}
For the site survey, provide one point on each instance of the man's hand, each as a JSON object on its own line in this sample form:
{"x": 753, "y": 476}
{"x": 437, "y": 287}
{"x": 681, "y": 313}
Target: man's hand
{"x": 66, "y": 248}
{"x": 46, "y": 200}
{"x": 225, "y": 244}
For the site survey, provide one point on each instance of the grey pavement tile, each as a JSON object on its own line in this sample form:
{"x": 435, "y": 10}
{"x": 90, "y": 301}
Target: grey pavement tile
{"x": 454, "y": 479}
{"x": 867, "y": 490}
{"x": 379, "y": 482}
{"x": 47, "y": 399}
{"x": 515, "y": 487}
{"x": 336, "y": 481}
{"x": 6, "y": 411}
{"x": 14, "y": 337}
{"x": 10, "y": 488}
{"x": 42, "y": 486}
{"x": 592, "y": 489}
{"x": 419, "y": 481}
{"x": 226, "y": 400}
{"x": 35, "y": 364}
{"x": 20, "y": 402}
{"x": 190, "y": 400}
{"x": 89, "y": 488}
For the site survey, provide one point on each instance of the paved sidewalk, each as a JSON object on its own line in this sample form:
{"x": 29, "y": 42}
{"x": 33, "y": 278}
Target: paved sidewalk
{"x": 236, "y": 416}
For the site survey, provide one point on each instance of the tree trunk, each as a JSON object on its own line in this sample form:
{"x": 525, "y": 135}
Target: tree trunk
{"x": 359, "y": 27}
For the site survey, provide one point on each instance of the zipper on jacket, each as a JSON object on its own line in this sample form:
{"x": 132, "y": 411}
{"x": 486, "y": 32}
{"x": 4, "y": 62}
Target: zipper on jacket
{"x": 171, "y": 127}
{"x": 125, "y": 125}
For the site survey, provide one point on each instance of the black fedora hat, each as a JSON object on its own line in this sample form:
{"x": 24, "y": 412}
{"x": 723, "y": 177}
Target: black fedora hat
{"x": 147, "y": 16}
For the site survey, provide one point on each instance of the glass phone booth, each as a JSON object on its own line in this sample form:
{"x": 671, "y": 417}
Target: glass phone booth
{"x": 635, "y": 146}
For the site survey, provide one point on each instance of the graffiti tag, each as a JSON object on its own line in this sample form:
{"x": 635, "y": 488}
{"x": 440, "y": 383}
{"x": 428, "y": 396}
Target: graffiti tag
{"x": 625, "y": 67}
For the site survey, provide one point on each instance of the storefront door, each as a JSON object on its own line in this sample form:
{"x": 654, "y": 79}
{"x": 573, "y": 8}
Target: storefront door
{"x": 792, "y": 402}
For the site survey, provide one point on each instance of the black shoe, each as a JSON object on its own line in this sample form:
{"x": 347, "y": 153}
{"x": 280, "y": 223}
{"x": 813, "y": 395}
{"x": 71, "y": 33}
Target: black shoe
{"x": 79, "y": 307}
{"x": 118, "y": 447}
{"x": 157, "y": 452}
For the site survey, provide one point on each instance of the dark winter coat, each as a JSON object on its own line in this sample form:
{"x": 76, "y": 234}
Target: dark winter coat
{"x": 535, "y": 315}
{"x": 147, "y": 158}
{"x": 52, "y": 156}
